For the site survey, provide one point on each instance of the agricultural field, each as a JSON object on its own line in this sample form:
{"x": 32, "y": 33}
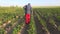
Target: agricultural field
{"x": 43, "y": 21}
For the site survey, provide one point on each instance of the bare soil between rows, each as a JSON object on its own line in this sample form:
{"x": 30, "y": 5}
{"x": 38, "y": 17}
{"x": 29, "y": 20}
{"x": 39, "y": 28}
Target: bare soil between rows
{"x": 50, "y": 27}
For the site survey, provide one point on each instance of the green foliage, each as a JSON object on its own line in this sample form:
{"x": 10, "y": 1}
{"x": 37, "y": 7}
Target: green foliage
{"x": 32, "y": 29}
{"x": 59, "y": 28}
{"x": 2, "y": 31}
{"x": 10, "y": 13}
{"x": 58, "y": 18}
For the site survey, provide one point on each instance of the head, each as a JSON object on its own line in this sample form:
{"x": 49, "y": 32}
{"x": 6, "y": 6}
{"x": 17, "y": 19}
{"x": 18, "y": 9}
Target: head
{"x": 28, "y": 3}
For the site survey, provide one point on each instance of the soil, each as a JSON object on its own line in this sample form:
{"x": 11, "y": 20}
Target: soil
{"x": 39, "y": 27}
{"x": 50, "y": 27}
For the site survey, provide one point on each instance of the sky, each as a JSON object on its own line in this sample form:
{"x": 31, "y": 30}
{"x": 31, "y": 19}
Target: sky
{"x": 33, "y": 2}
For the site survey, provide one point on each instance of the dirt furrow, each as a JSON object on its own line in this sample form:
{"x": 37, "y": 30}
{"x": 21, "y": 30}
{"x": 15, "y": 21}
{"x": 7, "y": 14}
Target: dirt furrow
{"x": 39, "y": 27}
{"x": 25, "y": 29}
{"x": 57, "y": 22}
{"x": 50, "y": 27}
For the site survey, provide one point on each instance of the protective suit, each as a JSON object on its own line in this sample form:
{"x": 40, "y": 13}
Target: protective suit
{"x": 28, "y": 10}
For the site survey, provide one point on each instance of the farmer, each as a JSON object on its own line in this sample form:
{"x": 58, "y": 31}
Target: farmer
{"x": 27, "y": 9}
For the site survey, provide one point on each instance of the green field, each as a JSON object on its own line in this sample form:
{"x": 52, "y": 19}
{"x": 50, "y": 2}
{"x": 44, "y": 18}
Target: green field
{"x": 43, "y": 21}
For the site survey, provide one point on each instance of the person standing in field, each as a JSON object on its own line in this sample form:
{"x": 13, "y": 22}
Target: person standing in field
{"x": 28, "y": 10}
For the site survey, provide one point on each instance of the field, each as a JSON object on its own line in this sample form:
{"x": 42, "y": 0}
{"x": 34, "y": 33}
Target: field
{"x": 43, "y": 21}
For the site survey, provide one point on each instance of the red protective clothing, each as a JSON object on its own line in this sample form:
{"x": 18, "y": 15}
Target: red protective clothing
{"x": 27, "y": 18}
